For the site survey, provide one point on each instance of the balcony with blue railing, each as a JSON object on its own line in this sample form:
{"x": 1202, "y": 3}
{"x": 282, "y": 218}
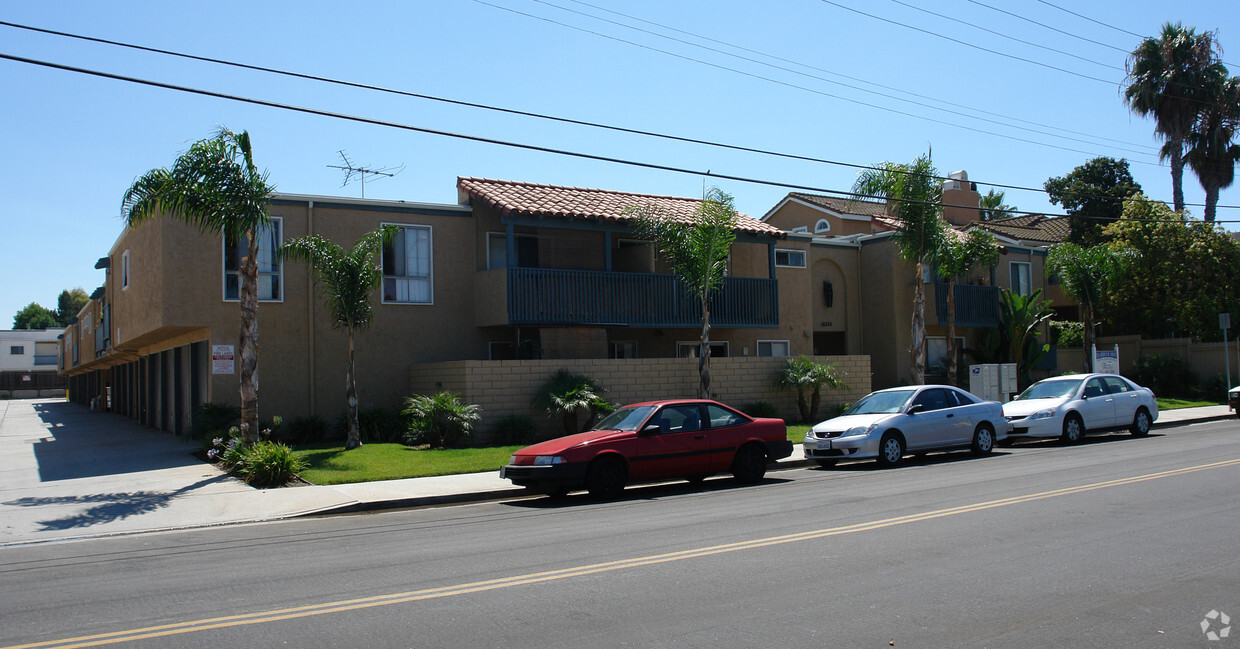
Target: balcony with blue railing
{"x": 44, "y": 359}
{"x": 976, "y": 306}
{"x": 544, "y": 296}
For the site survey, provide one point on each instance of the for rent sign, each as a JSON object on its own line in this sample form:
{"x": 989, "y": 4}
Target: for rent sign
{"x": 222, "y": 359}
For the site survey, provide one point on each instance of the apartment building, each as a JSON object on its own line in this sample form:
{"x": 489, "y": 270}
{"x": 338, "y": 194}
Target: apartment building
{"x": 28, "y": 363}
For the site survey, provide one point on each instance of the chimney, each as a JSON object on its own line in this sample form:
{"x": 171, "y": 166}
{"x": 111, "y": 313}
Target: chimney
{"x": 960, "y": 199}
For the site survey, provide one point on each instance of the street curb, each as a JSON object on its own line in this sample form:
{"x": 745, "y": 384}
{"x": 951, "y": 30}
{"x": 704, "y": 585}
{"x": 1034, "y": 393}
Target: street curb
{"x": 786, "y": 464}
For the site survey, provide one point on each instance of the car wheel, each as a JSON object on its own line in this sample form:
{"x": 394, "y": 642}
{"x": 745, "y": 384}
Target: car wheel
{"x": 1073, "y": 429}
{"x": 983, "y": 440}
{"x": 606, "y": 477}
{"x": 1140, "y": 423}
{"x": 890, "y": 450}
{"x": 826, "y": 464}
{"x": 749, "y": 465}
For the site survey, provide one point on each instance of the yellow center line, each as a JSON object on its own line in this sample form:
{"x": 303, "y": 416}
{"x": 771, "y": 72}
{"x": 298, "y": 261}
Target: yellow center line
{"x": 324, "y": 608}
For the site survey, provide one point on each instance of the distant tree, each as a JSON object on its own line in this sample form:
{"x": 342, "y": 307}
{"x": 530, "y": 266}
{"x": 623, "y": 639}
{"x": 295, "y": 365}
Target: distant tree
{"x": 698, "y": 253}
{"x": 68, "y": 305}
{"x": 347, "y": 280}
{"x": 1088, "y": 275}
{"x": 916, "y": 196}
{"x": 805, "y": 375}
{"x": 958, "y": 256}
{"x": 1169, "y": 79}
{"x": 1212, "y": 149}
{"x": 34, "y": 316}
{"x": 1093, "y": 194}
{"x": 991, "y": 206}
{"x": 1184, "y": 273}
{"x": 216, "y": 187}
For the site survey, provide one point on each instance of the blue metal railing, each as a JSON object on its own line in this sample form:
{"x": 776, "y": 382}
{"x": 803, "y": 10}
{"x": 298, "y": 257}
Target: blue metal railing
{"x": 976, "y": 306}
{"x": 44, "y": 359}
{"x": 543, "y": 296}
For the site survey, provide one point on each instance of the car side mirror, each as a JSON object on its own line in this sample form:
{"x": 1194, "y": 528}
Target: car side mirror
{"x": 650, "y": 429}
{"x": 916, "y": 408}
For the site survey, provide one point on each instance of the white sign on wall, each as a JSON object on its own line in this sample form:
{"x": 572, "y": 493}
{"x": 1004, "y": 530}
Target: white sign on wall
{"x": 1106, "y": 360}
{"x": 222, "y": 359}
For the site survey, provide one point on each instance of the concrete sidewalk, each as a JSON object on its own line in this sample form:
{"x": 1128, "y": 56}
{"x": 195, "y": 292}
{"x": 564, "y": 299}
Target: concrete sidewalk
{"x": 69, "y": 473}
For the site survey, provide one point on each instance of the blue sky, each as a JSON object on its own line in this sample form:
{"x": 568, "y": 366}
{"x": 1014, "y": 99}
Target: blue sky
{"x": 792, "y": 76}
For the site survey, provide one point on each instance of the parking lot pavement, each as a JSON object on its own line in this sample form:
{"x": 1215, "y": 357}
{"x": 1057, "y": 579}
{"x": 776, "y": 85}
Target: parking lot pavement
{"x": 69, "y": 473}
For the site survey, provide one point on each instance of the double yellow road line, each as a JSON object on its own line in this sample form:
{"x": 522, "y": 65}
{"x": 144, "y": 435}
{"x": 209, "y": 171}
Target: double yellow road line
{"x": 340, "y": 606}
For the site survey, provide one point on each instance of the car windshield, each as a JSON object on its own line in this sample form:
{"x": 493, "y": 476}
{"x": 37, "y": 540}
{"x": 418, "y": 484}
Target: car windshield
{"x": 877, "y": 403}
{"x": 627, "y": 418}
{"x": 1056, "y": 389}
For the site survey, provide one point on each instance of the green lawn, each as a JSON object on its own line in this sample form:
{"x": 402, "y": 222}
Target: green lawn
{"x": 1172, "y": 404}
{"x": 796, "y": 432}
{"x": 334, "y": 465}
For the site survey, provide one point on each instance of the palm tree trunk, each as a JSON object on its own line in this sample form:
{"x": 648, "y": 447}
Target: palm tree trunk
{"x": 815, "y": 399}
{"x": 704, "y": 352}
{"x": 354, "y": 439}
{"x": 918, "y": 349}
{"x": 951, "y": 332}
{"x": 1211, "y": 202}
{"x": 248, "y": 341}
{"x": 1088, "y": 337}
{"x": 1177, "y": 174}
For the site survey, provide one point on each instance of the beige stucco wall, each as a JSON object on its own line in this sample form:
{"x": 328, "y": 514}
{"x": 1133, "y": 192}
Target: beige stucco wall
{"x": 794, "y": 214}
{"x": 505, "y": 388}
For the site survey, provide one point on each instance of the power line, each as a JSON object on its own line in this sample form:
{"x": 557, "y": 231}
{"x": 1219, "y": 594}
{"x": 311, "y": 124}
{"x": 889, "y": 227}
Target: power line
{"x": 1006, "y": 121}
{"x": 796, "y": 86}
{"x": 1054, "y": 29}
{"x": 498, "y": 142}
{"x": 1083, "y": 16}
{"x": 971, "y": 45}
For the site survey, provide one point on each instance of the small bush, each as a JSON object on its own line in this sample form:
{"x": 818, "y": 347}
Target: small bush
{"x": 269, "y": 464}
{"x": 1066, "y": 333}
{"x": 440, "y": 419}
{"x": 515, "y": 430}
{"x": 374, "y": 425}
{"x": 1167, "y": 376}
{"x": 303, "y": 430}
{"x": 761, "y": 409}
{"x": 1214, "y": 388}
{"x": 212, "y": 419}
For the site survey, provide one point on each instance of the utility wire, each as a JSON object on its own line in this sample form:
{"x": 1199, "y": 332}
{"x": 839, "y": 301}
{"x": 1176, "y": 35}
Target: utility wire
{"x": 506, "y": 143}
{"x": 971, "y": 45}
{"x": 1096, "y": 22}
{"x": 1054, "y": 29}
{"x": 973, "y": 114}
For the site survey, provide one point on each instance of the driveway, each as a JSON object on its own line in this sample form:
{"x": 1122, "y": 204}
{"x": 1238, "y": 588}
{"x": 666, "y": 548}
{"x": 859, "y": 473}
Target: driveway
{"x": 67, "y": 472}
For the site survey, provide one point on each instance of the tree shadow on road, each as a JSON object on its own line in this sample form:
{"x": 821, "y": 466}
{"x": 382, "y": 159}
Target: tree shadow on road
{"x": 111, "y": 506}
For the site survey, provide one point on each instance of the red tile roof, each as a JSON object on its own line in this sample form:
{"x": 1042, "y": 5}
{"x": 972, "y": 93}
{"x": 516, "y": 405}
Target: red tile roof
{"x": 844, "y": 205}
{"x": 511, "y": 197}
{"x": 1037, "y": 228}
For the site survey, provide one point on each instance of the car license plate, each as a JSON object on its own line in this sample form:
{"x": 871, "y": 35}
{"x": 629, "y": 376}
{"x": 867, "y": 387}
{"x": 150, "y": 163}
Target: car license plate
{"x": 824, "y": 444}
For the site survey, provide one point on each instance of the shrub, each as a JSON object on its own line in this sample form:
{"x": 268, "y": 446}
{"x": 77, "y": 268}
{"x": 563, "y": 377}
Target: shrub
{"x": 441, "y": 420}
{"x": 761, "y": 409}
{"x": 1214, "y": 388}
{"x": 515, "y": 429}
{"x": 565, "y": 394}
{"x": 1066, "y": 333}
{"x": 211, "y": 419}
{"x": 303, "y": 430}
{"x": 268, "y": 464}
{"x": 374, "y": 425}
{"x": 228, "y": 449}
{"x": 805, "y": 375}
{"x": 1167, "y": 376}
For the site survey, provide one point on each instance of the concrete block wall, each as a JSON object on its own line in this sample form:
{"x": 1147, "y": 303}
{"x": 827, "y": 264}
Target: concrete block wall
{"x": 505, "y": 388}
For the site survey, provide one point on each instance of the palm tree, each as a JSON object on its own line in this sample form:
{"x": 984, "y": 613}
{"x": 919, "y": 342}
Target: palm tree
{"x": 1169, "y": 78}
{"x": 803, "y": 374}
{"x": 1088, "y": 275}
{"x": 216, "y": 187}
{"x": 1020, "y": 317}
{"x": 1212, "y": 151}
{"x": 915, "y": 193}
{"x": 698, "y": 252}
{"x": 566, "y": 393}
{"x": 349, "y": 280}
{"x": 959, "y": 255}
{"x": 991, "y": 206}
{"x": 440, "y": 419}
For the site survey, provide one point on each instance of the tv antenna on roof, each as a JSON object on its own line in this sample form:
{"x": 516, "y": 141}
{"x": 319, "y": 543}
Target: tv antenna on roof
{"x": 353, "y": 172}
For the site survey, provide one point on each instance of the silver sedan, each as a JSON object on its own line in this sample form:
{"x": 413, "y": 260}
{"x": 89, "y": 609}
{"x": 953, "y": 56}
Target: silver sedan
{"x": 886, "y": 424}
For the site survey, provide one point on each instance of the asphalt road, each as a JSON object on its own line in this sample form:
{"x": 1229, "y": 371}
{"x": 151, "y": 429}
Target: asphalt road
{"x": 1119, "y": 542}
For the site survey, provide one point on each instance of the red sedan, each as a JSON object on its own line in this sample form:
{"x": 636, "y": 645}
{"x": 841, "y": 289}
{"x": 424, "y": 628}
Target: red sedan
{"x": 658, "y": 440}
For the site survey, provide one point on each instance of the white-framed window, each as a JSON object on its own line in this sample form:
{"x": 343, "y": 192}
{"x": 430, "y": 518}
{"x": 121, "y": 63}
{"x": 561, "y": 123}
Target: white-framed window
{"x": 623, "y": 348}
{"x": 789, "y": 258}
{"x": 936, "y": 354}
{"x": 125, "y": 270}
{"x": 407, "y": 268}
{"x": 689, "y": 349}
{"x": 525, "y": 245}
{"x": 822, "y": 225}
{"x": 270, "y": 276}
{"x": 773, "y": 348}
{"x": 800, "y": 228}
{"x": 1022, "y": 277}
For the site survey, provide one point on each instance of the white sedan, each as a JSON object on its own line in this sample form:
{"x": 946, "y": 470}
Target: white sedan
{"x": 889, "y": 423}
{"x": 1068, "y": 407}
